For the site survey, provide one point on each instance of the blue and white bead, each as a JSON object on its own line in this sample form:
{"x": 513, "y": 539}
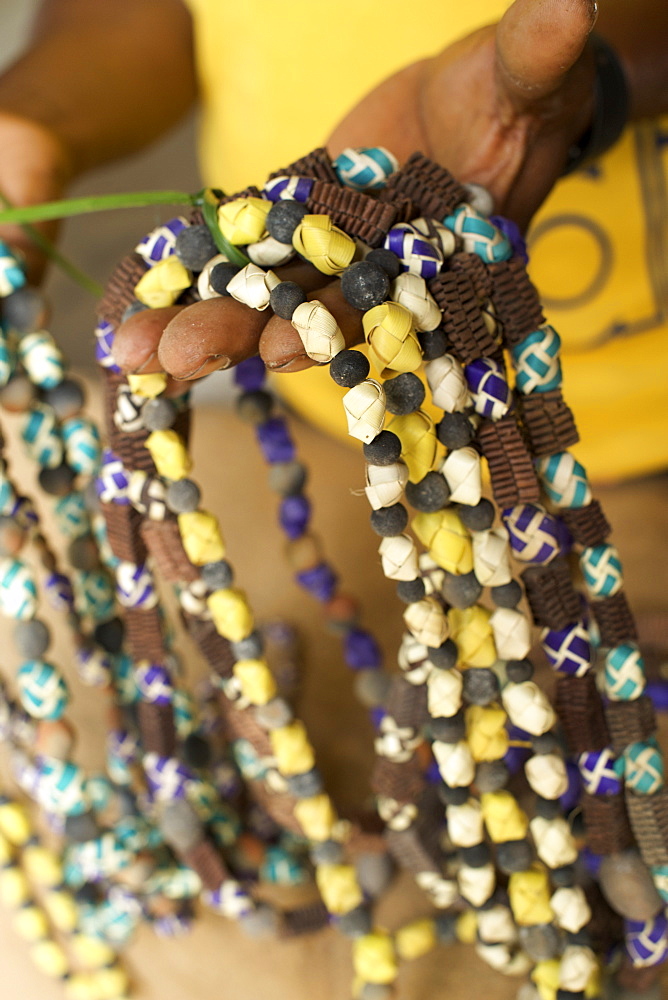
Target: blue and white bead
{"x": 160, "y": 242}
{"x": 18, "y": 590}
{"x": 647, "y": 940}
{"x": 489, "y": 388}
{"x": 72, "y": 515}
{"x": 602, "y": 570}
{"x": 104, "y": 342}
{"x": 183, "y": 707}
{"x": 98, "y": 859}
{"x": 479, "y": 235}
{"x": 660, "y": 876}
{"x": 113, "y": 480}
{"x": 624, "y": 673}
{"x": 643, "y": 767}
{"x": 288, "y": 189}
{"x": 93, "y": 667}
{"x": 364, "y": 168}
{"x": 94, "y": 594}
{"x": 124, "y": 679}
{"x": 564, "y": 480}
{"x": 601, "y": 772}
{"x": 134, "y": 586}
{"x": 537, "y": 361}
{"x": 42, "y": 689}
{"x": 99, "y": 791}
{"x": 154, "y": 683}
{"x": 230, "y": 900}
{"x": 7, "y": 359}
{"x": 167, "y": 777}
{"x": 59, "y": 592}
{"x": 533, "y": 533}
{"x": 252, "y": 766}
{"x": 82, "y": 445}
{"x": 12, "y": 275}
{"x": 280, "y": 867}
{"x": 8, "y": 497}
{"x": 61, "y": 787}
{"x": 417, "y": 255}
{"x": 42, "y": 359}
{"x": 41, "y": 436}
{"x": 568, "y": 649}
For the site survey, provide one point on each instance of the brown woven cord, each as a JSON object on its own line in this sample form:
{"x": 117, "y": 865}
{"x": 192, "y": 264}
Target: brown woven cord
{"x": 402, "y": 781}
{"x": 615, "y": 620}
{"x": 578, "y": 705}
{"x": 248, "y": 192}
{"x": 606, "y": 927}
{"x": 214, "y": 647}
{"x": 407, "y": 703}
{"x": 120, "y": 289}
{"x": 630, "y": 721}
{"x": 606, "y": 823}
{"x": 432, "y": 189}
{"x": 304, "y": 920}
{"x": 649, "y": 820}
{"x": 143, "y": 634}
{"x": 463, "y": 324}
{"x": 204, "y": 858}
{"x": 587, "y": 525}
{"x": 156, "y": 725}
{"x": 365, "y": 218}
{"x": 548, "y": 422}
{"x": 511, "y": 469}
{"x": 637, "y": 980}
{"x": 476, "y": 271}
{"x": 316, "y": 164}
{"x": 553, "y": 599}
{"x": 123, "y": 532}
{"x": 408, "y": 850}
{"x": 516, "y": 301}
{"x": 163, "y": 541}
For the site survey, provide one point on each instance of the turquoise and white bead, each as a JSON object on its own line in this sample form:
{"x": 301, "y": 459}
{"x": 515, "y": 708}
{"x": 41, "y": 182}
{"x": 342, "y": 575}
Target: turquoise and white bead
{"x": 18, "y": 590}
{"x": 94, "y": 594}
{"x": 536, "y": 359}
{"x": 42, "y": 359}
{"x": 42, "y": 689}
{"x": 479, "y": 235}
{"x": 12, "y": 275}
{"x": 71, "y": 515}
{"x": 364, "y": 168}
{"x": 61, "y": 787}
{"x": 82, "y": 445}
{"x": 643, "y": 767}
{"x": 602, "y": 570}
{"x": 41, "y": 436}
{"x": 564, "y": 479}
{"x": 624, "y": 673}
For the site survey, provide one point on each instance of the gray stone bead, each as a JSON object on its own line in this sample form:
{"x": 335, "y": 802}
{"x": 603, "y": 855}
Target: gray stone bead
{"x": 541, "y": 942}
{"x": 218, "y": 575}
{"x": 135, "y": 307}
{"x": 627, "y": 885}
{"x": 327, "y": 852}
{"x": 450, "y": 729}
{"x": 372, "y": 687}
{"x": 304, "y": 786}
{"x": 461, "y": 591}
{"x": 79, "y": 829}
{"x": 180, "y": 825}
{"x": 91, "y": 499}
{"x": 83, "y": 553}
{"x": 250, "y": 648}
{"x": 255, "y": 406}
{"x": 514, "y": 856}
{"x": 481, "y": 685}
{"x": 261, "y": 922}
{"x": 67, "y": 398}
{"x": 376, "y": 991}
{"x": 32, "y": 638}
{"x": 445, "y": 924}
{"x": 287, "y": 478}
{"x": 159, "y": 414}
{"x": 355, "y": 923}
{"x": 518, "y": 671}
{"x": 564, "y": 877}
{"x": 25, "y": 310}
{"x": 195, "y": 246}
{"x": 375, "y": 871}
{"x": 183, "y": 496}
{"x": 57, "y": 482}
{"x": 491, "y": 776}
{"x": 275, "y": 714}
{"x": 508, "y": 595}
{"x": 18, "y": 395}
{"x": 545, "y": 743}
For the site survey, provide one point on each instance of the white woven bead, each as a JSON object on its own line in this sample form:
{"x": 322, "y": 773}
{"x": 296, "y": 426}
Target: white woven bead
{"x": 465, "y": 824}
{"x": 364, "y": 405}
{"x": 571, "y": 909}
{"x": 399, "y": 557}
{"x": 448, "y": 385}
{"x": 496, "y": 926}
{"x": 512, "y": 633}
{"x": 413, "y": 661}
{"x": 397, "y": 815}
{"x": 442, "y": 891}
{"x": 444, "y": 693}
{"x": 555, "y": 844}
{"x": 546, "y": 774}
{"x": 410, "y": 291}
{"x": 269, "y": 252}
{"x": 578, "y": 965}
{"x": 455, "y": 763}
{"x": 504, "y": 959}
{"x": 385, "y": 484}
{"x": 476, "y": 885}
{"x": 528, "y": 707}
{"x": 320, "y": 334}
{"x": 437, "y": 234}
{"x": 462, "y": 471}
{"x": 397, "y": 743}
{"x": 427, "y": 621}
{"x": 252, "y": 286}
{"x": 204, "y": 289}
{"x": 491, "y": 557}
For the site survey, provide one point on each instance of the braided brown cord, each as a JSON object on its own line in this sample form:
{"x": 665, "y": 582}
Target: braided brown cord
{"x": 463, "y": 323}
{"x": 630, "y": 721}
{"x": 432, "y": 189}
{"x": 648, "y": 815}
{"x": 316, "y": 164}
{"x": 547, "y": 422}
{"x": 587, "y": 525}
{"x": 553, "y": 599}
{"x": 580, "y": 711}
{"x": 360, "y": 216}
{"x": 516, "y": 300}
{"x": 511, "y": 469}
{"x": 606, "y": 823}
{"x": 615, "y": 620}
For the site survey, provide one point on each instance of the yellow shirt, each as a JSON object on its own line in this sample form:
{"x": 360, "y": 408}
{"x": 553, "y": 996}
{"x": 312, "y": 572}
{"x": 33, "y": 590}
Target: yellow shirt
{"x": 277, "y": 77}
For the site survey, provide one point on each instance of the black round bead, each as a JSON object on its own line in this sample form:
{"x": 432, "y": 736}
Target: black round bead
{"x": 250, "y": 648}
{"x": 444, "y": 656}
{"x": 349, "y": 368}
{"x": 564, "y": 877}
{"x": 183, "y": 496}
{"x": 159, "y": 414}
{"x": 582, "y": 938}
{"x": 477, "y": 518}
{"x": 217, "y": 575}
{"x": 389, "y": 521}
{"x": 570, "y": 994}
{"x": 448, "y": 730}
{"x": 455, "y": 430}
{"x": 389, "y": 262}
{"x": 545, "y": 743}
{"x": 385, "y": 449}
{"x": 461, "y": 591}
{"x": 476, "y": 856}
{"x": 196, "y": 751}
{"x": 404, "y": 394}
{"x": 287, "y": 478}
{"x": 32, "y": 638}
{"x": 66, "y": 398}
{"x": 285, "y": 298}
{"x": 481, "y": 685}
{"x": 514, "y": 856}
{"x": 452, "y": 796}
{"x": 410, "y": 591}
{"x": 57, "y": 482}
{"x": 221, "y": 275}
{"x": 283, "y": 218}
{"x": 518, "y": 671}
{"x": 508, "y": 595}
{"x": 83, "y": 554}
{"x": 364, "y": 285}
{"x": 194, "y": 247}
{"x": 254, "y": 406}
{"x": 109, "y": 635}
{"x": 433, "y": 344}
{"x": 135, "y": 307}
{"x": 547, "y": 808}
{"x": 430, "y": 494}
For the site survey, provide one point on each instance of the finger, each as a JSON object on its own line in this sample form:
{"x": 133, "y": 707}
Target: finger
{"x": 538, "y": 41}
{"x": 281, "y": 347}
{"x": 136, "y": 340}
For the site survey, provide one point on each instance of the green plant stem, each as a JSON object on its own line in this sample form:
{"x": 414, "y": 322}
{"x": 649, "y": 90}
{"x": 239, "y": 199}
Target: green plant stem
{"x": 94, "y": 203}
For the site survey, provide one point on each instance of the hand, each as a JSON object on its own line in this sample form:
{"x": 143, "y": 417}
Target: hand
{"x": 501, "y": 107}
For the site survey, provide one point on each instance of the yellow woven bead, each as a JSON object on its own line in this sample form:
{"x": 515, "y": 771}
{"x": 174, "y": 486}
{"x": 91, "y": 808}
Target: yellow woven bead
{"x": 62, "y": 910}
{"x": 256, "y": 680}
{"x": 162, "y": 284}
{"x": 91, "y": 952}
{"x": 546, "y": 978}
{"x": 14, "y": 888}
{"x": 42, "y": 866}
{"x": 529, "y": 894}
{"x": 415, "y": 939}
{"x": 446, "y": 538}
{"x": 326, "y": 247}
{"x": 503, "y": 817}
{"x": 374, "y": 958}
{"x": 594, "y": 987}
{"x": 339, "y": 888}
{"x": 169, "y": 453}
{"x": 110, "y": 984}
{"x": 419, "y": 444}
{"x": 31, "y": 923}
{"x": 15, "y": 823}
{"x": 81, "y": 986}
{"x": 316, "y": 816}
{"x": 49, "y": 958}
{"x": 466, "y": 927}
{"x": 471, "y": 630}
{"x": 291, "y": 747}
{"x": 486, "y": 732}
{"x": 149, "y": 386}
{"x": 201, "y": 537}
{"x": 231, "y": 614}
{"x": 6, "y": 852}
{"x": 244, "y": 220}
{"x": 393, "y": 342}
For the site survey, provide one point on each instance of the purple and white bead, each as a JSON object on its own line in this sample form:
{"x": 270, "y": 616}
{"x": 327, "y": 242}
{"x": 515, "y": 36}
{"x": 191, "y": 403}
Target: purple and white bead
{"x": 417, "y": 254}
{"x": 601, "y": 772}
{"x": 154, "y": 683}
{"x": 489, "y": 388}
{"x": 160, "y": 242}
{"x": 534, "y": 534}
{"x": 568, "y": 649}
{"x": 288, "y": 189}
{"x": 113, "y": 481}
{"x": 134, "y": 586}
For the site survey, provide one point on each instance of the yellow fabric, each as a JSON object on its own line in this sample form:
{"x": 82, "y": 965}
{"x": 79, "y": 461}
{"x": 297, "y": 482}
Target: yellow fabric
{"x": 598, "y": 244}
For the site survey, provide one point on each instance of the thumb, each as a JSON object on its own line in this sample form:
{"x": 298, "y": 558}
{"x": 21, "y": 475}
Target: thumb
{"x": 538, "y": 41}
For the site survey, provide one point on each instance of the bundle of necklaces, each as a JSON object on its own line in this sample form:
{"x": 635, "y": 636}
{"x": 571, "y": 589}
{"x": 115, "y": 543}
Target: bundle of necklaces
{"x": 536, "y": 825}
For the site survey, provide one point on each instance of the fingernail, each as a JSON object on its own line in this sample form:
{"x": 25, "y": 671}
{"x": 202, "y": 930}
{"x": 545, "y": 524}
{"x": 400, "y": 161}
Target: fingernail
{"x": 223, "y": 362}
{"x": 152, "y": 356}
{"x": 277, "y": 366}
